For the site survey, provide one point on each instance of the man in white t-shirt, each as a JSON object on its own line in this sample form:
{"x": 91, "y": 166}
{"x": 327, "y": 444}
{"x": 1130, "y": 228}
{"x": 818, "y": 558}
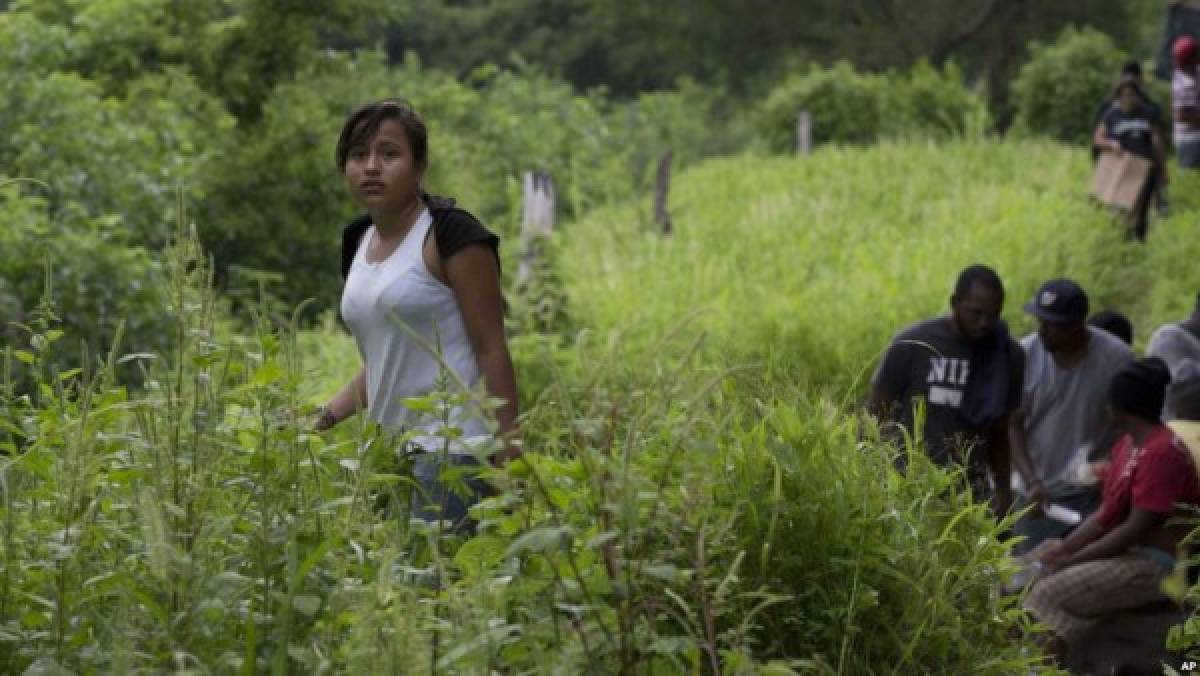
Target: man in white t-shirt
{"x": 1176, "y": 344}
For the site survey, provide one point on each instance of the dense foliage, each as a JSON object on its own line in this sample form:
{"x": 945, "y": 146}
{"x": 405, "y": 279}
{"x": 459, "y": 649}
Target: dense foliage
{"x": 680, "y": 509}
{"x": 115, "y": 127}
{"x": 746, "y": 46}
{"x": 858, "y": 108}
{"x": 1058, "y": 91}
{"x": 700, "y": 494}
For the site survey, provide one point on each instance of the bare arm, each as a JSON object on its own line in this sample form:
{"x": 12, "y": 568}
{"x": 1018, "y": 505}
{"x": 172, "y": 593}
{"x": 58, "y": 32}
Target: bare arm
{"x": 474, "y": 275}
{"x": 1092, "y": 545}
{"x": 347, "y": 401}
{"x": 1017, "y": 440}
{"x": 999, "y": 457}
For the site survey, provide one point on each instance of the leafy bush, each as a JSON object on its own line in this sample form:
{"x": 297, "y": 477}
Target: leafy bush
{"x": 937, "y": 103}
{"x": 1056, "y": 93}
{"x": 197, "y": 523}
{"x": 859, "y": 108}
{"x": 877, "y": 567}
{"x": 677, "y": 511}
{"x": 100, "y": 282}
{"x": 103, "y": 156}
{"x": 846, "y": 107}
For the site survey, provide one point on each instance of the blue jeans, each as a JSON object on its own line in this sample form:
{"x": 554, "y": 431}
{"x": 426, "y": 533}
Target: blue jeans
{"x": 435, "y": 498}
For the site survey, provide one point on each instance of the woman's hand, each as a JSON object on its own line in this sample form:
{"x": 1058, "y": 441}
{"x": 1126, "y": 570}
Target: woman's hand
{"x": 1053, "y": 558}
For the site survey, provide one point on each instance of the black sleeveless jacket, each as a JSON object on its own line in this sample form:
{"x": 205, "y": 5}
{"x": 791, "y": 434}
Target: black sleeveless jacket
{"x": 453, "y": 227}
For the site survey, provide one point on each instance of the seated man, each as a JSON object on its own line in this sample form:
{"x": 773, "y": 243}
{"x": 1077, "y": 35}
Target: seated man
{"x": 1063, "y": 416}
{"x": 965, "y": 370}
{"x": 1117, "y": 558}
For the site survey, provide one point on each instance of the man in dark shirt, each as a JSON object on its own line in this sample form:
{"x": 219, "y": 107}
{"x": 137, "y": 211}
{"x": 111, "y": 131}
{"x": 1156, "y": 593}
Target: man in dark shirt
{"x": 1129, "y": 127}
{"x": 967, "y": 371}
{"x": 1132, "y": 72}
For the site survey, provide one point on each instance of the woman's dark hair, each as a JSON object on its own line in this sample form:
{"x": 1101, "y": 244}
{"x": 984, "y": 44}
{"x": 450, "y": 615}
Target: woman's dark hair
{"x": 362, "y": 124}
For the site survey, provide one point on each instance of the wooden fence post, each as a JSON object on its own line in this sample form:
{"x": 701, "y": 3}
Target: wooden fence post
{"x": 803, "y": 133}
{"x": 537, "y": 221}
{"x": 662, "y": 187}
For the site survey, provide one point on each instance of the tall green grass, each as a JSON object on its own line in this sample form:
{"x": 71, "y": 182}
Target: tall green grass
{"x": 807, "y": 266}
{"x": 698, "y": 496}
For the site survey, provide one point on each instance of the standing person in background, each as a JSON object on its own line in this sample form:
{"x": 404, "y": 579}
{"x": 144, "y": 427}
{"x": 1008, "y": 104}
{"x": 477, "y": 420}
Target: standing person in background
{"x": 422, "y": 299}
{"x": 1185, "y": 101}
{"x": 1176, "y": 344}
{"x": 1129, "y": 128}
{"x": 1068, "y": 368}
{"x": 966, "y": 370}
{"x": 1132, "y": 71}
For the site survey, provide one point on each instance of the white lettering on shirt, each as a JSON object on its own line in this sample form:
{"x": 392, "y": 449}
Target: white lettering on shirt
{"x": 946, "y": 375}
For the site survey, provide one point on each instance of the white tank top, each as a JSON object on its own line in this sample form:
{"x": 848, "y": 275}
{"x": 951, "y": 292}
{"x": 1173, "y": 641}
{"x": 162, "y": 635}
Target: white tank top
{"x": 381, "y": 298}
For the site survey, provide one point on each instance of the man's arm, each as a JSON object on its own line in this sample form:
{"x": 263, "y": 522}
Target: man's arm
{"x": 999, "y": 457}
{"x": 1019, "y": 448}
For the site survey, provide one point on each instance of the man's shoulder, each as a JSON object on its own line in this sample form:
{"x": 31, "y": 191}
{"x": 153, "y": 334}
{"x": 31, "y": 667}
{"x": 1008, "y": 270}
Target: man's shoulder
{"x": 1030, "y": 342}
{"x": 1164, "y": 334}
{"x": 935, "y": 329}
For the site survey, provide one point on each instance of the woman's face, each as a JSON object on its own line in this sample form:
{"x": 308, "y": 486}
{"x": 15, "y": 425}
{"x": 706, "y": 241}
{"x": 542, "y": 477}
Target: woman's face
{"x": 1128, "y": 99}
{"x": 382, "y": 173}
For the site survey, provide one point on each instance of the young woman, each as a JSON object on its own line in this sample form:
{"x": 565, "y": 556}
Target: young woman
{"x": 422, "y": 299}
{"x": 1128, "y": 127}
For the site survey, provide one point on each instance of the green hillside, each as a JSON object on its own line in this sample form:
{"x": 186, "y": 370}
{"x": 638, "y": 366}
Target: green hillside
{"x": 699, "y": 492}
{"x": 808, "y": 265}
{"x": 782, "y": 283}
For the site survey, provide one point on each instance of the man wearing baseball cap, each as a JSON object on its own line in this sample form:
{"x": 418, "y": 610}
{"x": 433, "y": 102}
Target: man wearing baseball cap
{"x": 1185, "y": 101}
{"x": 1068, "y": 368}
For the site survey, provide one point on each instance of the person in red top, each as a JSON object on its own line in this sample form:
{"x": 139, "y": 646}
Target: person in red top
{"x": 1117, "y": 558}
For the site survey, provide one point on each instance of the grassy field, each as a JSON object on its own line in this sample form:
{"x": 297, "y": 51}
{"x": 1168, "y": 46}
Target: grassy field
{"x": 700, "y": 494}
{"x": 807, "y": 266}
